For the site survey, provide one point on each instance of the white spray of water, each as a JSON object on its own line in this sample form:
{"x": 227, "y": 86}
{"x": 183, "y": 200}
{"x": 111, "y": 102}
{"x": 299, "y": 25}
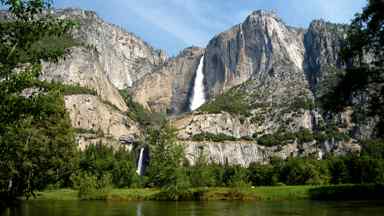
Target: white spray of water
{"x": 198, "y": 95}
{"x": 140, "y": 163}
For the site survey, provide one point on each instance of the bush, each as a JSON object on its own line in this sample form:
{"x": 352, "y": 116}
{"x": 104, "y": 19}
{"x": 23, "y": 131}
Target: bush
{"x": 373, "y": 148}
{"x": 302, "y": 136}
{"x": 339, "y": 170}
{"x": 270, "y": 140}
{"x": 104, "y": 162}
{"x": 213, "y": 137}
{"x": 263, "y": 175}
{"x": 65, "y": 89}
{"x": 90, "y": 186}
{"x": 139, "y": 113}
{"x": 233, "y": 101}
{"x": 302, "y": 103}
{"x": 304, "y": 172}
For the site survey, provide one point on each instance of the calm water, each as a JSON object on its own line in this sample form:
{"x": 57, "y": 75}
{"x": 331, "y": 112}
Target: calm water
{"x": 65, "y": 208}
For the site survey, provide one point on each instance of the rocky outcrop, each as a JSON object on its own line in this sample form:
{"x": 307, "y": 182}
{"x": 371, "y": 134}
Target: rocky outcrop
{"x": 223, "y": 123}
{"x": 124, "y": 57}
{"x": 323, "y": 42}
{"x": 244, "y": 153}
{"x": 275, "y": 69}
{"x": 262, "y": 48}
{"x": 168, "y": 88}
{"x": 241, "y": 127}
{"x": 81, "y": 67}
{"x": 97, "y": 121}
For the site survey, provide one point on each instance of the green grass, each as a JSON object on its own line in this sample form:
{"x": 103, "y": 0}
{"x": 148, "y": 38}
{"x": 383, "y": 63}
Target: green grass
{"x": 132, "y": 194}
{"x": 59, "y": 195}
{"x": 114, "y": 194}
{"x": 282, "y": 193}
{"x": 278, "y": 193}
{"x": 257, "y": 193}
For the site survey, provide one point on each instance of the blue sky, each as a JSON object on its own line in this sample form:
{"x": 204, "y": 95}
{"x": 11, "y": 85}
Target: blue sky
{"x": 172, "y": 25}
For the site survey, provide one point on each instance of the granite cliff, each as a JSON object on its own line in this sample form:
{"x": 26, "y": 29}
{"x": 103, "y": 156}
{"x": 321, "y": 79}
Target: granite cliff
{"x": 262, "y": 79}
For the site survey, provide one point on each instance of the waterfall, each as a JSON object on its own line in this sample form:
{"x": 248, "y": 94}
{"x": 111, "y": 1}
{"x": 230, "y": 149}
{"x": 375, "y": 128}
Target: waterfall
{"x": 198, "y": 95}
{"x": 139, "y": 170}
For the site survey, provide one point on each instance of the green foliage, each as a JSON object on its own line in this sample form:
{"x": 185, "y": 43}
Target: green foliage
{"x": 213, "y": 137}
{"x": 88, "y": 185}
{"x": 263, "y": 174}
{"x": 302, "y": 136}
{"x": 178, "y": 189}
{"x": 139, "y": 113}
{"x": 348, "y": 192}
{"x": 201, "y": 174}
{"x": 166, "y": 156}
{"x": 37, "y": 149}
{"x": 365, "y": 36}
{"x": 233, "y": 101}
{"x": 37, "y": 143}
{"x": 373, "y": 149}
{"x": 165, "y": 168}
{"x": 339, "y": 94}
{"x": 271, "y": 140}
{"x": 65, "y": 89}
{"x": 24, "y": 10}
{"x": 239, "y": 177}
{"x": 100, "y": 160}
{"x": 302, "y": 103}
{"x": 282, "y": 138}
{"x": 304, "y": 172}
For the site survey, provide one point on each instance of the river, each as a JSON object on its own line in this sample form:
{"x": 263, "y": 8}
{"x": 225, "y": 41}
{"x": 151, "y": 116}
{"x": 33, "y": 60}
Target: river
{"x": 214, "y": 208}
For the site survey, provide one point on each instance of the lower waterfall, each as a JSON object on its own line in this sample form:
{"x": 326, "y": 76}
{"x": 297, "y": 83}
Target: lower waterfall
{"x": 139, "y": 170}
{"x": 198, "y": 94}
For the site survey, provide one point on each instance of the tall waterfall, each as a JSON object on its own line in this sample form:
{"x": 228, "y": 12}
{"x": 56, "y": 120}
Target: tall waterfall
{"x": 198, "y": 95}
{"x": 139, "y": 170}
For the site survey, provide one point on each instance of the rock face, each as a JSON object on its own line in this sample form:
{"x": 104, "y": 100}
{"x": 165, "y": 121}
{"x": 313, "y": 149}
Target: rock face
{"x": 97, "y": 121}
{"x": 239, "y": 127}
{"x": 323, "y": 42}
{"x": 124, "y": 57}
{"x": 109, "y": 59}
{"x": 223, "y": 123}
{"x": 81, "y": 67}
{"x": 168, "y": 88}
{"x": 245, "y": 153}
{"x": 260, "y": 48}
{"x": 277, "y": 70}
{"x": 273, "y": 68}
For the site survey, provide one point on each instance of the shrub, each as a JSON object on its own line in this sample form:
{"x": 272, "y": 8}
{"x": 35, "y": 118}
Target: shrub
{"x": 270, "y": 140}
{"x": 302, "y": 103}
{"x": 304, "y": 172}
{"x": 65, "y": 89}
{"x": 139, "y": 113}
{"x": 373, "y": 148}
{"x": 90, "y": 186}
{"x": 233, "y": 101}
{"x": 116, "y": 166}
{"x": 262, "y": 175}
{"x": 213, "y": 137}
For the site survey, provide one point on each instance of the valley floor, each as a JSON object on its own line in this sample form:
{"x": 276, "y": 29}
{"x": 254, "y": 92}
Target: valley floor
{"x": 339, "y": 192}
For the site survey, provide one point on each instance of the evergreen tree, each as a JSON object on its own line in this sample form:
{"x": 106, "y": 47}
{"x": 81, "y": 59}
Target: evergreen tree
{"x": 364, "y": 56}
{"x": 166, "y": 164}
{"x": 37, "y": 143}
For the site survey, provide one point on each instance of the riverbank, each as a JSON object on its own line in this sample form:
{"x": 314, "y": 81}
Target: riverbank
{"x": 340, "y": 192}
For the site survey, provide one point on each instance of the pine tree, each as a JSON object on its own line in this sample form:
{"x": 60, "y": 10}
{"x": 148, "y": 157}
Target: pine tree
{"x": 37, "y": 143}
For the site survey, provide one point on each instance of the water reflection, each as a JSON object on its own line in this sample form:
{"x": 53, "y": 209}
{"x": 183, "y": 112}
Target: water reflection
{"x": 66, "y": 208}
{"x": 139, "y": 209}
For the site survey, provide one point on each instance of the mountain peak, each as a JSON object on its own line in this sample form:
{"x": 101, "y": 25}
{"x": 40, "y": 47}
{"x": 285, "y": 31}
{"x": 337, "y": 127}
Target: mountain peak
{"x": 260, "y": 16}
{"x": 264, "y": 14}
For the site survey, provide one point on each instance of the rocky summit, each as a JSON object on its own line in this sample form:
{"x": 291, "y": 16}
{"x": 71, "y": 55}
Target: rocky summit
{"x": 262, "y": 81}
